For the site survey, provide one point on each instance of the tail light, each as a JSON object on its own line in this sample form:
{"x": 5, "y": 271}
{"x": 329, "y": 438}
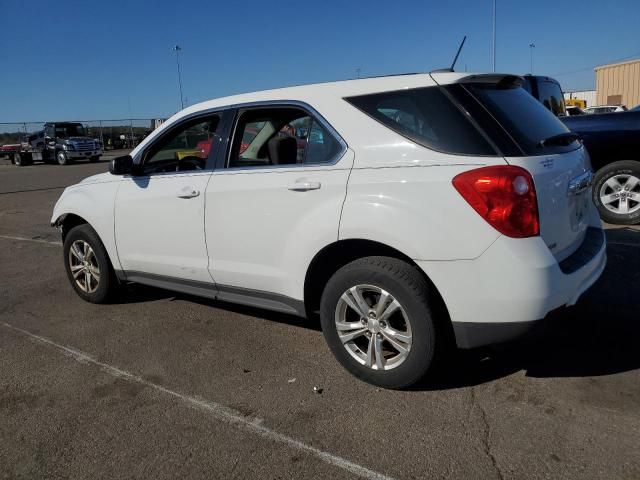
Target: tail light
{"x": 504, "y": 196}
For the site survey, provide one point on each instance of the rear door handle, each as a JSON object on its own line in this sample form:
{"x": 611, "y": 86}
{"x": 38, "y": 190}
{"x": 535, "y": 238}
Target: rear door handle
{"x": 188, "y": 192}
{"x": 304, "y": 186}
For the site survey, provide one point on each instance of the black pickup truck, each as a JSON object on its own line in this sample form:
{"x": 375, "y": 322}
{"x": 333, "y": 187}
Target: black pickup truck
{"x": 613, "y": 142}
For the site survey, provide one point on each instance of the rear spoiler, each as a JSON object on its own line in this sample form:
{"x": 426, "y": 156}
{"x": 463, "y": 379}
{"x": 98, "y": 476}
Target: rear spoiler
{"x": 503, "y": 80}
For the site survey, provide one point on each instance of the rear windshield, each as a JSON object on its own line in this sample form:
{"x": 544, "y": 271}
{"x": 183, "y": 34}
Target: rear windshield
{"x": 523, "y": 117}
{"x": 428, "y": 117}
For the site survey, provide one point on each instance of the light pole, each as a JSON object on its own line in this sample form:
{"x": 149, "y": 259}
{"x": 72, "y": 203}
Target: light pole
{"x": 531, "y": 47}
{"x": 358, "y": 70}
{"x": 493, "y": 56}
{"x": 178, "y": 49}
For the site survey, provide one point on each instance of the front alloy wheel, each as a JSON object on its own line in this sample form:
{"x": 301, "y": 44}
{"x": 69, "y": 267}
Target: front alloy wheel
{"x": 373, "y": 327}
{"x": 61, "y": 157}
{"x": 84, "y": 266}
{"x": 88, "y": 266}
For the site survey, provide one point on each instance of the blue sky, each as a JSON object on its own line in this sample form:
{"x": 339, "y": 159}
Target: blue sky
{"x": 93, "y": 59}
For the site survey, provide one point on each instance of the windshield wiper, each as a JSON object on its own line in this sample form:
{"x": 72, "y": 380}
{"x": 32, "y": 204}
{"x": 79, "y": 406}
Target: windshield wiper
{"x": 561, "y": 139}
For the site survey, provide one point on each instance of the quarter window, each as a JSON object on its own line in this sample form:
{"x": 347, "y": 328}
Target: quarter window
{"x": 280, "y": 136}
{"x": 426, "y": 116}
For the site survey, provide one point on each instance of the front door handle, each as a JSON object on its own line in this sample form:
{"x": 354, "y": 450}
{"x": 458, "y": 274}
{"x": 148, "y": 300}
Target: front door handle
{"x": 304, "y": 186}
{"x": 188, "y": 192}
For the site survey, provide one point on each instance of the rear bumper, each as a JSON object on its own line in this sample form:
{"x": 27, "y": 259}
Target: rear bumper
{"x": 474, "y": 334}
{"x": 506, "y": 291}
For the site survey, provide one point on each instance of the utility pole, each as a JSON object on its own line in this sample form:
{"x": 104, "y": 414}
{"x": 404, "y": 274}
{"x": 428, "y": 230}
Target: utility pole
{"x": 178, "y": 49}
{"x": 531, "y": 47}
{"x": 493, "y": 56}
{"x": 358, "y": 72}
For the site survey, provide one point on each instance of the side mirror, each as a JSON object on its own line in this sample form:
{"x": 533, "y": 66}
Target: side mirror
{"x": 121, "y": 165}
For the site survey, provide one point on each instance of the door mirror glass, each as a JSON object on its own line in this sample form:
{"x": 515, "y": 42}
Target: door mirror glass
{"x": 121, "y": 165}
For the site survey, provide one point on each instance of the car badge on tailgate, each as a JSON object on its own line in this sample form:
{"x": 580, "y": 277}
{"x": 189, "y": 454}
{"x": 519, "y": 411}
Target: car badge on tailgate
{"x": 580, "y": 183}
{"x": 547, "y": 162}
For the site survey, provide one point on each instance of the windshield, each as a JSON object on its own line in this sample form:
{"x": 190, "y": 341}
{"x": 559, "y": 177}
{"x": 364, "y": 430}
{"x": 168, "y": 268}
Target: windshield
{"x": 66, "y": 130}
{"x": 524, "y": 118}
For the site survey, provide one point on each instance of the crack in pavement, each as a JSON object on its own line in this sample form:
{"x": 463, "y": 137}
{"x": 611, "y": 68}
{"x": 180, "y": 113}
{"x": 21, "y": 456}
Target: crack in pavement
{"x": 486, "y": 440}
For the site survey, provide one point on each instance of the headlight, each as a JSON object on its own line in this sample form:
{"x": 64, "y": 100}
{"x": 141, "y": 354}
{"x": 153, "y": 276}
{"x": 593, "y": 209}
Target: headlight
{"x": 67, "y": 146}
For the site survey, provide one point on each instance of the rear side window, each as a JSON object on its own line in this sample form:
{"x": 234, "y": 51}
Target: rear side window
{"x": 524, "y": 118}
{"x": 428, "y": 117}
{"x": 551, "y": 97}
{"x": 276, "y": 136}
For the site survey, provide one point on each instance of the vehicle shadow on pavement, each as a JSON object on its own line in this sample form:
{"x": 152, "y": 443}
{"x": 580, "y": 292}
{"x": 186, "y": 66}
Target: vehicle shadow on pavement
{"x": 138, "y": 293}
{"x": 598, "y": 336}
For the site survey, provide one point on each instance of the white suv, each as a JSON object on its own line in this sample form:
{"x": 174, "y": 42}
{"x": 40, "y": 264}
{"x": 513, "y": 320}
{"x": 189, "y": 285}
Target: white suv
{"x": 406, "y": 210}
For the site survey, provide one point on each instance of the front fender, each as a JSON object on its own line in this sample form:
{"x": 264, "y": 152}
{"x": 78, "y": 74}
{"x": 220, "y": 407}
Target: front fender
{"x": 95, "y": 204}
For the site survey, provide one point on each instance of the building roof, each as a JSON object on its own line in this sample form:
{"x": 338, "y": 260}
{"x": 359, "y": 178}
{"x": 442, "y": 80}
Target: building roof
{"x": 608, "y": 65}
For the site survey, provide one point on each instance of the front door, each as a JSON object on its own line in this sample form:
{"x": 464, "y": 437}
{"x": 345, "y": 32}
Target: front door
{"x": 159, "y": 213}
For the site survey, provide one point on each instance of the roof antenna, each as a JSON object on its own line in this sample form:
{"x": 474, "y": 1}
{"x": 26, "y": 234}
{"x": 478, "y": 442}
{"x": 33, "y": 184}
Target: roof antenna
{"x": 450, "y": 69}
{"x": 458, "y": 54}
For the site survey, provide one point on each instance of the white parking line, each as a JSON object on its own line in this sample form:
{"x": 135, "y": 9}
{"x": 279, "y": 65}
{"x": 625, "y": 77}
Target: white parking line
{"x": 36, "y": 240}
{"x": 218, "y": 411}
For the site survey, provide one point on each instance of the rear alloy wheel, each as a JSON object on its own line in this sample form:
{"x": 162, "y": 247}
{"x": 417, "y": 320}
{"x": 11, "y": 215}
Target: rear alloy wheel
{"x": 377, "y": 319}
{"x": 381, "y": 337}
{"x": 617, "y": 192}
{"x": 62, "y": 159}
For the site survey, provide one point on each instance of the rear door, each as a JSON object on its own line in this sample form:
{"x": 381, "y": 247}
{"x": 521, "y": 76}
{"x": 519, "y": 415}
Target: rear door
{"x": 275, "y": 200}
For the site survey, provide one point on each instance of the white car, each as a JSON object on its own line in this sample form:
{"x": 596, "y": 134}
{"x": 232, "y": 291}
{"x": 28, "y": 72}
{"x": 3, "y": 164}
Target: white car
{"x": 407, "y": 210}
{"x": 605, "y": 109}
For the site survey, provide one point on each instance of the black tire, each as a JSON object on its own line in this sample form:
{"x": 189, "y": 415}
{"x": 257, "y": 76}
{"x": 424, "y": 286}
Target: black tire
{"x": 624, "y": 168}
{"x": 62, "y": 158}
{"x": 18, "y": 160}
{"x": 108, "y": 283}
{"x": 94, "y": 159}
{"x": 406, "y": 284}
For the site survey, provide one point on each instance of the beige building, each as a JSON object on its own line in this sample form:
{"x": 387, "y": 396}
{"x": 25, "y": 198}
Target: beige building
{"x": 618, "y": 83}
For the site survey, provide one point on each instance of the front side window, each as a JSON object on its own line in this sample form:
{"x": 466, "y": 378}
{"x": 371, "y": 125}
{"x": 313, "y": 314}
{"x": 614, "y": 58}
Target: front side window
{"x": 426, "y": 116}
{"x": 276, "y": 136}
{"x": 185, "y": 148}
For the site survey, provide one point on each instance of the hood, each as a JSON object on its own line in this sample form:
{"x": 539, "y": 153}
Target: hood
{"x": 99, "y": 178}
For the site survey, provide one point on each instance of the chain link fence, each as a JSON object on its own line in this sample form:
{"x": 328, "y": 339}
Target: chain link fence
{"x": 114, "y": 134}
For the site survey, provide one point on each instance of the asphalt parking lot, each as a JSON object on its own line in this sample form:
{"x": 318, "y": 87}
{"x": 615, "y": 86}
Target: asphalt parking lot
{"x": 163, "y": 385}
